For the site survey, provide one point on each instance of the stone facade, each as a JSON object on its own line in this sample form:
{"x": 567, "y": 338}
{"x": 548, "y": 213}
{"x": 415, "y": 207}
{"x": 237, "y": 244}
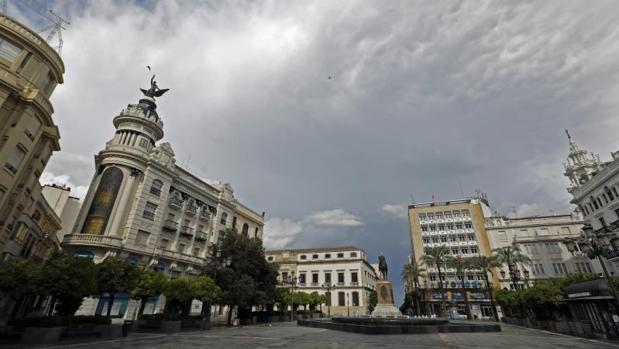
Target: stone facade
{"x": 345, "y": 268}
{"x": 66, "y": 206}
{"x": 541, "y": 239}
{"x": 29, "y": 72}
{"x": 594, "y": 185}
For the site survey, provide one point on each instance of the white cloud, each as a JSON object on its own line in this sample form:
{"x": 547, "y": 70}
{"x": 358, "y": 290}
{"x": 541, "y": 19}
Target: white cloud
{"x": 395, "y": 211}
{"x": 280, "y": 232}
{"x": 78, "y": 191}
{"x": 334, "y": 218}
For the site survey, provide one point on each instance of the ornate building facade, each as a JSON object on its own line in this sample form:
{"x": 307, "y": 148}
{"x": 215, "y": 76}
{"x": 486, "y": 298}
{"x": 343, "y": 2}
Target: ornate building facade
{"x": 30, "y": 70}
{"x": 144, "y": 208}
{"x": 345, "y": 269}
{"x": 594, "y": 186}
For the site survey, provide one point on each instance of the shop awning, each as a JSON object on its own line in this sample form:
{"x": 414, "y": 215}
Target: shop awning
{"x": 588, "y": 290}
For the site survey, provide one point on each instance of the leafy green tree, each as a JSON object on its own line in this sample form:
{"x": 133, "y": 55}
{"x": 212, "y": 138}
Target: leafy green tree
{"x": 316, "y": 299}
{"x": 114, "y": 275}
{"x": 67, "y": 279}
{"x": 17, "y": 281}
{"x": 240, "y": 269}
{"x": 205, "y": 290}
{"x": 150, "y": 283}
{"x": 179, "y": 293}
{"x": 461, "y": 265}
{"x": 282, "y": 298}
{"x": 373, "y": 300}
{"x": 437, "y": 257}
{"x": 410, "y": 276}
{"x": 487, "y": 264}
{"x": 511, "y": 256}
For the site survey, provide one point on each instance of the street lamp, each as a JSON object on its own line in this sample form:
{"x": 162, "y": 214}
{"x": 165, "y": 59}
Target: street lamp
{"x": 594, "y": 245}
{"x": 328, "y": 287}
{"x": 291, "y": 281}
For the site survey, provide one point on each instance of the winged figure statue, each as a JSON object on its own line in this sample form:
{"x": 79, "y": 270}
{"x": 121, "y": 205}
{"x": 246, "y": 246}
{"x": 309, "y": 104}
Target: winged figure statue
{"x": 154, "y": 90}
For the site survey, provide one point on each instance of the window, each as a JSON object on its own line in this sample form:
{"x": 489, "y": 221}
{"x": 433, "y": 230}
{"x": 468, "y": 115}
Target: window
{"x": 155, "y": 187}
{"x": 430, "y": 215}
{"x": 245, "y": 229}
{"x": 165, "y": 244}
{"x": 432, "y": 278}
{"x": 439, "y": 215}
{"x": 452, "y": 238}
{"x": 327, "y": 278}
{"x": 314, "y": 256}
{"x": 616, "y": 210}
{"x": 36, "y": 216}
{"x": 435, "y": 239}
{"x": 465, "y": 250}
{"x": 354, "y": 277}
{"x": 456, "y": 213}
{"x": 196, "y": 251}
{"x": 224, "y": 218}
{"x": 285, "y": 276}
{"x": 149, "y": 211}
{"x": 432, "y": 227}
{"x": 448, "y": 215}
{"x": 15, "y": 158}
{"x": 302, "y": 278}
{"x": 314, "y": 278}
{"x": 441, "y": 226}
{"x": 468, "y": 225}
{"x": 454, "y": 251}
{"x": 473, "y": 250}
{"x": 450, "y": 226}
{"x": 471, "y": 237}
{"x": 256, "y": 233}
{"x": 233, "y": 222}
{"x": 341, "y": 299}
{"x": 270, "y": 258}
{"x": 459, "y": 225}
{"x": 8, "y": 51}
{"x": 340, "y": 255}
{"x": 142, "y": 238}
{"x": 443, "y": 239}
{"x": 424, "y": 228}
{"x": 303, "y": 257}
{"x": 355, "y": 299}
{"x": 143, "y": 143}
{"x": 353, "y": 255}
{"x": 327, "y": 255}
{"x": 181, "y": 248}
{"x": 426, "y": 240}
{"x": 422, "y": 216}
{"x": 340, "y": 278}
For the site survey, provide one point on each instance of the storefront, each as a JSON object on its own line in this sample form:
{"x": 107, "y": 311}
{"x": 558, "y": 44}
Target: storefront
{"x": 592, "y": 304}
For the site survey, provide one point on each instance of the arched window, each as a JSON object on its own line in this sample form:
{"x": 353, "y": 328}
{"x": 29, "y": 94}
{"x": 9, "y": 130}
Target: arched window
{"x": 595, "y": 204}
{"x": 609, "y": 194}
{"x": 224, "y": 218}
{"x": 256, "y": 233}
{"x": 245, "y": 229}
{"x": 155, "y": 187}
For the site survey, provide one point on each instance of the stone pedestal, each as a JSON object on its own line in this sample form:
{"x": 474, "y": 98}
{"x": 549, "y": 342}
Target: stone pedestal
{"x": 385, "y": 304}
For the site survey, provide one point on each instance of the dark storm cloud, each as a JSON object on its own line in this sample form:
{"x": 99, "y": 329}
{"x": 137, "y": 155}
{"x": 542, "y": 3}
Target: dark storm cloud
{"x": 424, "y": 97}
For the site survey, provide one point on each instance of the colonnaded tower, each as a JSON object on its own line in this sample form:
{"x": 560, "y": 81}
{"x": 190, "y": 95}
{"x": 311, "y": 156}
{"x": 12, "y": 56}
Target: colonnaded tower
{"x": 144, "y": 208}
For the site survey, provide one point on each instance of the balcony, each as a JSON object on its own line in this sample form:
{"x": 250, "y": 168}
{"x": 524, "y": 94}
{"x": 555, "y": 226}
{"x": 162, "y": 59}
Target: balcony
{"x": 170, "y": 225}
{"x": 340, "y": 283}
{"x": 205, "y": 215}
{"x": 92, "y": 240}
{"x": 354, "y": 283}
{"x": 185, "y": 230}
{"x": 200, "y": 235}
{"x": 191, "y": 210}
{"x": 175, "y": 203}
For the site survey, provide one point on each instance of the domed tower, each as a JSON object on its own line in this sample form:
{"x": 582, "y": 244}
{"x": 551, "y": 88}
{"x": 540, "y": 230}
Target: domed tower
{"x": 120, "y": 167}
{"x": 581, "y": 165}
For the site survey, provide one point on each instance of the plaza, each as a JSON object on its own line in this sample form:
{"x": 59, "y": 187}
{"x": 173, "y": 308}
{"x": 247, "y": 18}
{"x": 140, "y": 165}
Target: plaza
{"x": 291, "y": 336}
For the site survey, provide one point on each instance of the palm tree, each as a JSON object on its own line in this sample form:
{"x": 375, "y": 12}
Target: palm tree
{"x": 461, "y": 265}
{"x": 512, "y": 257}
{"x": 436, "y": 256}
{"x": 487, "y": 264}
{"x": 410, "y": 275}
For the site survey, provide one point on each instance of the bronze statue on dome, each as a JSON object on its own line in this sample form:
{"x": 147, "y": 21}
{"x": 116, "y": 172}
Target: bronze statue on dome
{"x": 154, "y": 90}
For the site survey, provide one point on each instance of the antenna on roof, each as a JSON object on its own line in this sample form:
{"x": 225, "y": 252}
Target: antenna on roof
{"x": 57, "y": 26}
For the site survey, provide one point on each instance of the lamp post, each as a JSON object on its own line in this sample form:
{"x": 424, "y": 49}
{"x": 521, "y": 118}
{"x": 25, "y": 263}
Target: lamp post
{"x": 593, "y": 245}
{"x": 328, "y": 287}
{"x": 292, "y": 282}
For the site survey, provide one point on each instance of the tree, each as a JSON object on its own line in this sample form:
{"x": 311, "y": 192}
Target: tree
{"x": 114, "y": 275}
{"x": 238, "y": 266}
{"x": 373, "y": 300}
{"x": 511, "y": 256}
{"x": 17, "y": 281}
{"x": 461, "y": 265}
{"x": 67, "y": 279}
{"x": 487, "y": 264}
{"x": 150, "y": 283}
{"x": 436, "y": 256}
{"x": 207, "y": 292}
{"x": 179, "y": 293}
{"x": 410, "y": 276}
{"x": 282, "y": 298}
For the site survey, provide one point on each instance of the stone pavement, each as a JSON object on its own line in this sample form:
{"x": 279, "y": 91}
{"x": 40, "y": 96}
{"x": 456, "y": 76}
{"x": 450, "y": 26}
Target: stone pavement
{"x": 292, "y": 336}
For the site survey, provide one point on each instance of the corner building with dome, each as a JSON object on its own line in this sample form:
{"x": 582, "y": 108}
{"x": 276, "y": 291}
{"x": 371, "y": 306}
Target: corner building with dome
{"x": 144, "y": 208}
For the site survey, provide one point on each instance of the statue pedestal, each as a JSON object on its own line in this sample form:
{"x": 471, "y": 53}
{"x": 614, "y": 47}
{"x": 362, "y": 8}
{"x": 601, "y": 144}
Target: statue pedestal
{"x": 385, "y": 304}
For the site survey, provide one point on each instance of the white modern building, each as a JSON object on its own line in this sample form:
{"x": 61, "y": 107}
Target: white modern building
{"x": 66, "y": 206}
{"x": 594, "y": 186}
{"x": 144, "y": 208}
{"x": 346, "y": 269}
{"x": 541, "y": 238}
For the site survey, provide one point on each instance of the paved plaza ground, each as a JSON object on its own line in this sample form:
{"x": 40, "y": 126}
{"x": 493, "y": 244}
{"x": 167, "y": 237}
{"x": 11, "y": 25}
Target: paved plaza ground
{"x": 292, "y": 336}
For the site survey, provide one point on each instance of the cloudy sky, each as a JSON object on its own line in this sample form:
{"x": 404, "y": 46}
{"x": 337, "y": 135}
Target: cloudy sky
{"x": 332, "y": 115}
